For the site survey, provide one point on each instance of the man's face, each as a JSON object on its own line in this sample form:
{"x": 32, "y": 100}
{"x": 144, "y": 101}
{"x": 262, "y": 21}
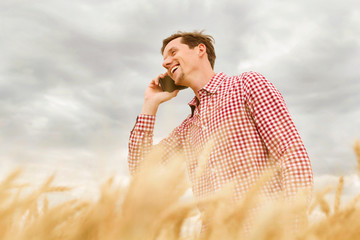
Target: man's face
{"x": 179, "y": 60}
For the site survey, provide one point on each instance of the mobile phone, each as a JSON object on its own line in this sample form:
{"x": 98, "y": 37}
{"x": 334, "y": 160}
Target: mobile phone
{"x": 168, "y": 84}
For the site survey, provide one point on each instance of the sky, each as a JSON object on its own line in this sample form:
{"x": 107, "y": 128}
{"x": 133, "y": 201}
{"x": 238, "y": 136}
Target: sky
{"x": 73, "y": 75}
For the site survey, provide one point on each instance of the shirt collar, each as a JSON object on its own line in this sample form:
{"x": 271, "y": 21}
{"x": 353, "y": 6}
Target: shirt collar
{"x": 214, "y": 83}
{"x": 194, "y": 102}
{"x": 211, "y": 87}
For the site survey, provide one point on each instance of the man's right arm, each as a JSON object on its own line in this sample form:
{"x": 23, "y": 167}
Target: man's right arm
{"x": 141, "y": 140}
{"x": 141, "y": 137}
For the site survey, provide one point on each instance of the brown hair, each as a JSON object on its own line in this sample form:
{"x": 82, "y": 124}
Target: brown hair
{"x": 193, "y": 39}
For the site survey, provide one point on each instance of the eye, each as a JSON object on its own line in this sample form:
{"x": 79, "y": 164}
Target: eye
{"x": 173, "y": 52}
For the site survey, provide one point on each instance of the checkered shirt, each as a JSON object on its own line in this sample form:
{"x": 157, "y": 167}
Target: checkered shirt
{"x": 251, "y": 130}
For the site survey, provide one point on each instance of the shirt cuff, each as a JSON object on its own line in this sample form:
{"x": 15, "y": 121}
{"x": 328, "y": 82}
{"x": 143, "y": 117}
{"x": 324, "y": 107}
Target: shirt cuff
{"x": 145, "y": 123}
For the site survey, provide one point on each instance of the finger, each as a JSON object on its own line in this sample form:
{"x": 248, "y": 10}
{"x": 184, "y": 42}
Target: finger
{"x": 155, "y": 81}
{"x": 162, "y": 75}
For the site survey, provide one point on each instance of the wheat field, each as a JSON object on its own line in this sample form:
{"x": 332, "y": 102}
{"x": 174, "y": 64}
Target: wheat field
{"x": 152, "y": 206}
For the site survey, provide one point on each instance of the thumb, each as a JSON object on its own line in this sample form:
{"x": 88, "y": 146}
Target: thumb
{"x": 166, "y": 96}
{"x": 173, "y": 94}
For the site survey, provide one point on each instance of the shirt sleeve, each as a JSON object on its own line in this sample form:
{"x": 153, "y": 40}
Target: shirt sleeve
{"x": 141, "y": 142}
{"x": 277, "y": 129}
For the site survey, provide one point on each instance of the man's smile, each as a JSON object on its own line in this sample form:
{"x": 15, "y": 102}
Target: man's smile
{"x": 174, "y": 69}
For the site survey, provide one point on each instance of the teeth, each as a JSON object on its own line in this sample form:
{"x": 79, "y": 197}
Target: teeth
{"x": 174, "y": 68}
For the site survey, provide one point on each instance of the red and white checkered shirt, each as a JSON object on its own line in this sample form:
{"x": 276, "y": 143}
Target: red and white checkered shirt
{"x": 251, "y": 129}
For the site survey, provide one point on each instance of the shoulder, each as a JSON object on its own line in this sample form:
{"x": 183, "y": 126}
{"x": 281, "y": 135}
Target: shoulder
{"x": 254, "y": 80}
{"x": 251, "y": 84}
{"x": 246, "y": 80}
{"x": 247, "y": 77}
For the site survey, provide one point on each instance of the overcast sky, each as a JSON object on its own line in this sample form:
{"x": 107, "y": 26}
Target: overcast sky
{"x": 73, "y": 74}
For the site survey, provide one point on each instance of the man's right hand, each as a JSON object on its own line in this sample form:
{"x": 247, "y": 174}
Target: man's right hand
{"x": 154, "y": 96}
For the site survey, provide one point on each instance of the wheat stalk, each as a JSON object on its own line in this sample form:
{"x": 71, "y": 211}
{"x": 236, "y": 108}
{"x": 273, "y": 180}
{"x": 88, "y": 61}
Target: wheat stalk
{"x": 357, "y": 152}
{"x": 338, "y": 194}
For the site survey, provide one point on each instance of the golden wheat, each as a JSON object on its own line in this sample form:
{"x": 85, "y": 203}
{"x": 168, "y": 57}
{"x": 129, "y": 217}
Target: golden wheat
{"x": 357, "y": 152}
{"x": 151, "y": 207}
{"x": 339, "y": 190}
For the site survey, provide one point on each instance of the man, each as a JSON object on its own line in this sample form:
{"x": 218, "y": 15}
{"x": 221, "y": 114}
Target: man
{"x": 245, "y": 117}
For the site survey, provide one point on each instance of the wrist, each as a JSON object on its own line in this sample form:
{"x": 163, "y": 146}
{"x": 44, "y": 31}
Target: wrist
{"x": 149, "y": 108}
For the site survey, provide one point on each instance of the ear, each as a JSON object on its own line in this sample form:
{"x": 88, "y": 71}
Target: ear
{"x": 201, "y": 49}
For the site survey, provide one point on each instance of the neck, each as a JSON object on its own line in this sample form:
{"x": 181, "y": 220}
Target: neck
{"x": 199, "y": 80}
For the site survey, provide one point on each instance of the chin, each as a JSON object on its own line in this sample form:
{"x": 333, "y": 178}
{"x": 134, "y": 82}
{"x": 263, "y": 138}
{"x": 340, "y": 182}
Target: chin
{"x": 180, "y": 79}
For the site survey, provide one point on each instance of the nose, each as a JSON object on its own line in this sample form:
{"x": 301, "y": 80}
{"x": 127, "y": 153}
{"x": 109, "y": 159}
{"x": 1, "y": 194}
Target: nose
{"x": 166, "y": 63}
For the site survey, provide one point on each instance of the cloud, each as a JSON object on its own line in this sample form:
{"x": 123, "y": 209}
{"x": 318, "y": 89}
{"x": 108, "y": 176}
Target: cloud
{"x": 72, "y": 75}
